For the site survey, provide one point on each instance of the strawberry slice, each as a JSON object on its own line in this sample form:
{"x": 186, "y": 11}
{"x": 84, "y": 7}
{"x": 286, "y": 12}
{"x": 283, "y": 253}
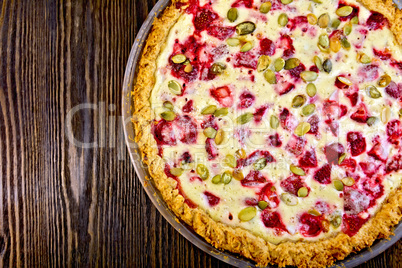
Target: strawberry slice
{"x": 308, "y": 160}
{"x": 361, "y": 115}
{"x": 374, "y": 187}
{"x": 376, "y": 21}
{"x": 274, "y": 140}
{"x": 287, "y": 119}
{"x": 353, "y": 97}
{"x": 211, "y": 149}
{"x": 212, "y": 199}
{"x": 357, "y": 143}
{"x": 221, "y": 32}
{"x": 349, "y": 164}
{"x": 369, "y": 168}
{"x": 355, "y": 201}
{"x": 382, "y": 54}
{"x": 378, "y": 152}
{"x": 268, "y": 194}
{"x": 188, "y": 107}
{"x": 245, "y": 59}
{"x": 187, "y": 129}
{"x": 243, "y": 3}
{"x": 223, "y": 95}
{"x": 251, "y": 201}
{"x": 395, "y": 164}
{"x": 253, "y": 179}
{"x": 295, "y": 72}
{"x": 272, "y": 219}
{"x": 246, "y": 100}
{"x": 292, "y": 184}
{"x": 267, "y": 47}
{"x": 254, "y": 157}
{"x": 352, "y": 224}
{"x": 164, "y": 134}
{"x": 296, "y": 145}
{"x": 333, "y": 151}
{"x": 259, "y": 113}
{"x": 394, "y": 90}
{"x": 394, "y": 131}
{"x": 368, "y": 73}
{"x": 283, "y": 87}
{"x": 285, "y": 42}
{"x": 313, "y": 121}
{"x": 311, "y": 225}
{"x": 204, "y": 18}
{"x": 323, "y": 175}
{"x": 299, "y": 21}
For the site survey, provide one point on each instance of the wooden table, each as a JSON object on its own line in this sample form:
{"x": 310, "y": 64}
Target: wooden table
{"x": 62, "y": 205}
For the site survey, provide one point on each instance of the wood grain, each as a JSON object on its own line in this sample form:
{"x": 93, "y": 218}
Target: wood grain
{"x": 62, "y": 205}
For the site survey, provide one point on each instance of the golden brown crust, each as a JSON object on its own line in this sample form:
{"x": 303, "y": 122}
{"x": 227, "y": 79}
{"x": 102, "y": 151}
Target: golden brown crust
{"x": 237, "y": 240}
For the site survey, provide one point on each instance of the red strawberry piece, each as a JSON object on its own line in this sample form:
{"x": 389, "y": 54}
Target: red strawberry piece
{"x": 292, "y": 184}
{"x": 311, "y": 225}
{"x": 267, "y": 47}
{"x": 394, "y": 164}
{"x": 357, "y": 143}
{"x": 361, "y": 114}
{"x": 254, "y": 157}
{"x": 188, "y": 107}
{"x": 246, "y": 100}
{"x": 376, "y": 21}
{"x": 285, "y": 42}
{"x": 218, "y": 52}
{"x": 354, "y": 13}
{"x": 295, "y": 72}
{"x": 299, "y": 21}
{"x": 333, "y": 126}
{"x": 282, "y": 87}
{"x": 296, "y": 145}
{"x": 332, "y": 110}
{"x": 382, "y": 54}
{"x": 211, "y": 149}
{"x": 223, "y": 95}
{"x": 352, "y": 224}
{"x": 268, "y": 194}
{"x": 251, "y": 201}
{"x": 186, "y": 158}
{"x": 333, "y": 151}
{"x": 246, "y": 60}
{"x": 353, "y": 97}
{"x": 394, "y": 90}
{"x": 355, "y": 201}
{"x": 339, "y": 84}
{"x": 274, "y": 140}
{"x": 349, "y": 164}
{"x": 323, "y": 175}
{"x": 368, "y": 73}
{"x": 204, "y": 19}
{"x": 287, "y": 120}
{"x": 314, "y": 68}
{"x": 308, "y": 160}
{"x": 322, "y": 207}
{"x": 378, "y": 152}
{"x": 253, "y": 179}
{"x": 272, "y": 219}
{"x": 313, "y": 121}
{"x": 209, "y": 122}
{"x": 220, "y": 32}
{"x": 394, "y": 131}
{"x": 397, "y": 65}
{"x": 187, "y": 129}
{"x": 213, "y": 200}
{"x": 259, "y": 113}
{"x": 195, "y": 178}
{"x": 344, "y": 109}
{"x": 369, "y": 168}
{"x": 243, "y": 3}
{"x": 374, "y": 187}
{"x": 164, "y": 134}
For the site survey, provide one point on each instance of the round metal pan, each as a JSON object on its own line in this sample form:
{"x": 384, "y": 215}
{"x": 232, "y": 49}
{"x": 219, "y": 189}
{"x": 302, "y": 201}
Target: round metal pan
{"x": 154, "y": 195}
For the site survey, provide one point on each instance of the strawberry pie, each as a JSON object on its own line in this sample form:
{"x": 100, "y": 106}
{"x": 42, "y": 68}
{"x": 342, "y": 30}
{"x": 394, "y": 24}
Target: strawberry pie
{"x": 273, "y": 127}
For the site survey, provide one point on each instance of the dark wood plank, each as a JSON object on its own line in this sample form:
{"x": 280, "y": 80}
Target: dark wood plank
{"x": 60, "y": 204}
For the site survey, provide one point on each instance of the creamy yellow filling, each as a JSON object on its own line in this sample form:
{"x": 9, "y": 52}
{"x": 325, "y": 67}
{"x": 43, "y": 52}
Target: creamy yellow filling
{"x": 232, "y": 195}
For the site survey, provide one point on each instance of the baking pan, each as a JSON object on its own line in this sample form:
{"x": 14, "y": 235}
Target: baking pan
{"x": 236, "y": 260}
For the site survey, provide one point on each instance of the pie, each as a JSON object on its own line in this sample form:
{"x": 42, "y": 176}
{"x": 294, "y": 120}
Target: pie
{"x": 273, "y": 128}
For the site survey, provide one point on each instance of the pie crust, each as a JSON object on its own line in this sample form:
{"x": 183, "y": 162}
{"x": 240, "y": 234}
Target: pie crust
{"x": 237, "y": 240}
